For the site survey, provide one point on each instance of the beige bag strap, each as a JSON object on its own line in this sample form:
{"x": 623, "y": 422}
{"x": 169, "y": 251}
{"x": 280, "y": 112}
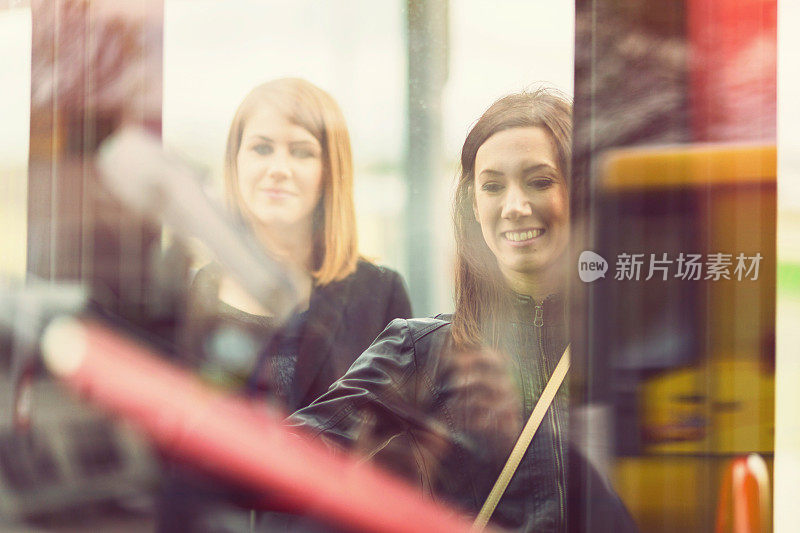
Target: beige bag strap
{"x": 523, "y": 442}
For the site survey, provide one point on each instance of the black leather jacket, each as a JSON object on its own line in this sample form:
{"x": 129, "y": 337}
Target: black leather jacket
{"x": 404, "y": 403}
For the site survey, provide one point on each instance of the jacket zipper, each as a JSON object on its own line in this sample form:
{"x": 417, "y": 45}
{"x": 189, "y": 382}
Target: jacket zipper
{"x": 538, "y": 322}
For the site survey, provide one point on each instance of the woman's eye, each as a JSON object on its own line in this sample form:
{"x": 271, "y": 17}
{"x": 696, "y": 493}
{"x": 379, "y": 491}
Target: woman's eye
{"x": 262, "y": 149}
{"x": 303, "y": 153}
{"x": 491, "y": 187}
{"x": 540, "y": 183}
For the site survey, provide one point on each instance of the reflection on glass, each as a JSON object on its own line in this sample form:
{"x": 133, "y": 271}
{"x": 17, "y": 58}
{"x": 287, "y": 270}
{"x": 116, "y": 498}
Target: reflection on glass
{"x": 679, "y": 335}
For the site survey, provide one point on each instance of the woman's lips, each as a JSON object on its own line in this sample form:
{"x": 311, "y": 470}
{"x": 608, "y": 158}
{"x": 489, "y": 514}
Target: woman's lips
{"x": 522, "y": 237}
{"x": 277, "y": 194}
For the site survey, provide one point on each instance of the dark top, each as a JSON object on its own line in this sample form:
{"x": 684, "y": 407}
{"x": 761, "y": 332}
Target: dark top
{"x": 341, "y": 321}
{"x": 275, "y": 369}
{"x": 297, "y": 365}
{"x": 447, "y": 418}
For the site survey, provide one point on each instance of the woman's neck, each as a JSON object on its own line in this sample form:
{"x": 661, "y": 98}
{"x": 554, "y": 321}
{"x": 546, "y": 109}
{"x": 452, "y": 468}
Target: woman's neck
{"x": 537, "y": 287}
{"x": 293, "y": 245}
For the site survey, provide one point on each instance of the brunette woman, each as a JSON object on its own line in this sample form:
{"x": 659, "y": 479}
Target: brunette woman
{"x": 445, "y": 398}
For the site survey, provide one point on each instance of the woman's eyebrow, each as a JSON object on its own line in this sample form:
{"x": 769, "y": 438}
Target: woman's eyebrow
{"x": 259, "y": 137}
{"x": 538, "y": 167}
{"x": 265, "y": 138}
{"x": 490, "y": 173}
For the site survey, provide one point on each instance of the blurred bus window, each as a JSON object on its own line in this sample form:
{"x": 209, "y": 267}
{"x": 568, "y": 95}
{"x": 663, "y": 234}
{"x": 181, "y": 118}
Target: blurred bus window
{"x": 675, "y": 141}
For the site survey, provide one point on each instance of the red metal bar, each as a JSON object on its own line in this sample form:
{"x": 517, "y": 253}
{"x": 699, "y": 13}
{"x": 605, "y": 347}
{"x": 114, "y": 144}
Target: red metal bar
{"x": 231, "y": 437}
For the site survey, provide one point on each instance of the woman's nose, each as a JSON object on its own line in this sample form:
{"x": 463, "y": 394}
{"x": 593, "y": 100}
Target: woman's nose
{"x": 279, "y": 166}
{"x": 516, "y": 204}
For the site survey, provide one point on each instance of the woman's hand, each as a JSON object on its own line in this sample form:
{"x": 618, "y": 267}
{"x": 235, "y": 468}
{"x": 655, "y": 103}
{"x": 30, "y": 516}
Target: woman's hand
{"x": 483, "y": 396}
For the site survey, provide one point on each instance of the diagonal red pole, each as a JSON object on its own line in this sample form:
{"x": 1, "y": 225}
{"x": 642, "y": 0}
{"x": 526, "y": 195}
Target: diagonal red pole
{"x": 231, "y": 437}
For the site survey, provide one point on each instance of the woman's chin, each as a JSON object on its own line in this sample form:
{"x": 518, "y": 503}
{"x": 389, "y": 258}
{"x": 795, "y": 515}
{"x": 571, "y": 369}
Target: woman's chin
{"x": 278, "y": 222}
{"x": 532, "y": 270}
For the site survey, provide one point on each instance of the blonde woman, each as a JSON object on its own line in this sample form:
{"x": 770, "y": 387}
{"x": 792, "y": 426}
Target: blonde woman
{"x": 289, "y": 177}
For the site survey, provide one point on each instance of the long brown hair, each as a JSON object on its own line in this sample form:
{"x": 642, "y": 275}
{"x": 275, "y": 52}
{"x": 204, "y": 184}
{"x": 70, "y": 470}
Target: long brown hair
{"x": 482, "y": 297}
{"x": 335, "y": 253}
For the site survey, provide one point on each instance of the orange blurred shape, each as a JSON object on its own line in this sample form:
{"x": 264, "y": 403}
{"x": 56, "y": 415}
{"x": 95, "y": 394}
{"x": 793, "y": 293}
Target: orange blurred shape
{"x": 744, "y": 499}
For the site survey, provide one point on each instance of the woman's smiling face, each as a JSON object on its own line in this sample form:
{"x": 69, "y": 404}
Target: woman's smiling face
{"x": 279, "y": 170}
{"x": 522, "y": 204}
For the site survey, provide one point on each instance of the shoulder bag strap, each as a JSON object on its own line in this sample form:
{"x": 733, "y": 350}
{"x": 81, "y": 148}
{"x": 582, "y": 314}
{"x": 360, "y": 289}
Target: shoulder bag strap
{"x": 523, "y": 442}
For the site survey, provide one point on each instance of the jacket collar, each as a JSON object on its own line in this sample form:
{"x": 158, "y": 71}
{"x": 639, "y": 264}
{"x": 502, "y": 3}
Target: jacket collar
{"x": 553, "y": 309}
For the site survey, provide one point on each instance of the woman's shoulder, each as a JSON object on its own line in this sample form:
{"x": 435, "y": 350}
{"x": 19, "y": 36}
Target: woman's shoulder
{"x": 427, "y": 329}
{"x": 368, "y": 278}
{"x": 369, "y": 271}
{"x": 371, "y": 289}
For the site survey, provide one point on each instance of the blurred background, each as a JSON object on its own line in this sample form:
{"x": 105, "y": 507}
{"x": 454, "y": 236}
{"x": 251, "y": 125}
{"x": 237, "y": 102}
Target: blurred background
{"x": 675, "y": 153}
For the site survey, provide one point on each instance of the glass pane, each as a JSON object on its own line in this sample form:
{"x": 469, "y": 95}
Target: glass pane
{"x": 675, "y": 139}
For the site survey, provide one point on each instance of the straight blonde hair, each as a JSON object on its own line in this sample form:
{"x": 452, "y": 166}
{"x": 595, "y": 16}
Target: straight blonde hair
{"x": 335, "y": 254}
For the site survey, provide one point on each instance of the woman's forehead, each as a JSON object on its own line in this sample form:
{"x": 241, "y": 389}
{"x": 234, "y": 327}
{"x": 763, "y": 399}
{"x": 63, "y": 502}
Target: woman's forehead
{"x": 269, "y": 120}
{"x": 515, "y": 149}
